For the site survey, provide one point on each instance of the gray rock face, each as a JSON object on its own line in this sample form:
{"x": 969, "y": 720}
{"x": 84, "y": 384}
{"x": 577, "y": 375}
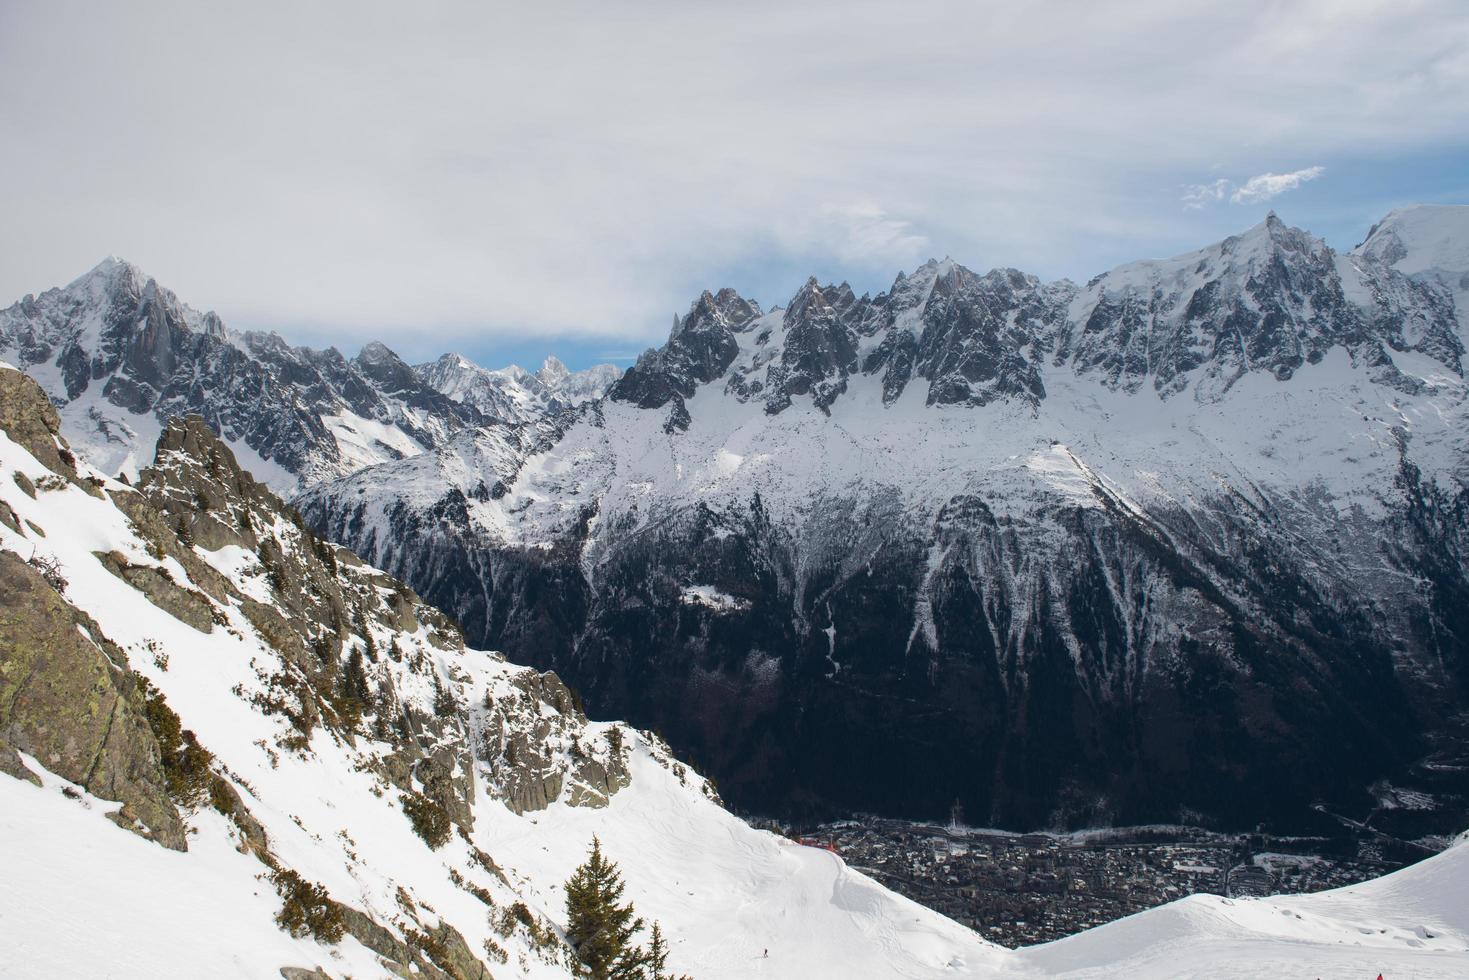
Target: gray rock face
{"x": 64, "y": 699}
{"x": 66, "y": 703}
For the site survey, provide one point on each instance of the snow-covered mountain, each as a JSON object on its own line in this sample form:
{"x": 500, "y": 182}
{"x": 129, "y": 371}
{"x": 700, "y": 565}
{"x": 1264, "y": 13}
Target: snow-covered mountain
{"x": 513, "y": 393}
{"x": 284, "y": 764}
{"x": 1189, "y": 539}
{"x": 121, "y": 355}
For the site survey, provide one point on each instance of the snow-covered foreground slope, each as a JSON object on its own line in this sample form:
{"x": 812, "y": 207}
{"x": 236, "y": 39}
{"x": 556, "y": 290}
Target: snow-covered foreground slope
{"x": 155, "y": 913}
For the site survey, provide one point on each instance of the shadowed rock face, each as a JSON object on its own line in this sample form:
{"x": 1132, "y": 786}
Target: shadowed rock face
{"x": 1082, "y": 668}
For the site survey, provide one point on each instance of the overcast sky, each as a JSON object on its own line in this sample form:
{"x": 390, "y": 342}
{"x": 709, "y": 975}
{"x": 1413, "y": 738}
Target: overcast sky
{"x": 507, "y": 179}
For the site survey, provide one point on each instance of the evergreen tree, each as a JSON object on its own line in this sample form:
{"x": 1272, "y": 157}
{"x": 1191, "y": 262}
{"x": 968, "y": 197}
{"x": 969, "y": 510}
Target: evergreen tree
{"x": 658, "y": 955}
{"x": 599, "y": 926}
{"x": 355, "y": 695}
{"x": 445, "y": 703}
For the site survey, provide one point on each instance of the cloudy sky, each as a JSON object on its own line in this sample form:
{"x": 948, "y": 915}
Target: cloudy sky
{"x": 508, "y": 179}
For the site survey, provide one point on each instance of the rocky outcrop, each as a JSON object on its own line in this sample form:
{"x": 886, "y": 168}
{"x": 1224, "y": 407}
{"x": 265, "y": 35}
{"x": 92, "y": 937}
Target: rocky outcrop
{"x": 181, "y": 602}
{"x": 65, "y": 699}
{"x": 28, "y": 418}
{"x": 12, "y": 765}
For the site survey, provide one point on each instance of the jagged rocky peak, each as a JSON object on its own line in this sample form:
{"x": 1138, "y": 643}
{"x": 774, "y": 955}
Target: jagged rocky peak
{"x": 820, "y": 347}
{"x": 552, "y": 372}
{"x": 700, "y": 348}
{"x": 392, "y": 375}
{"x": 975, "y": 335}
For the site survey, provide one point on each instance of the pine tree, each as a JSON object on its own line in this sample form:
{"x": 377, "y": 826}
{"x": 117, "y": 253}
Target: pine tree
{"x": 355, "y": 695}
{"x": 598, "y": 925}
{"x": 658, "y": 955}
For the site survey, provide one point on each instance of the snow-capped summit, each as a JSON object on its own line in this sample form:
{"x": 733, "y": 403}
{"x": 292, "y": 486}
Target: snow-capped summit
{"x": 1425, "y": 241}
{"x": 514, "y": 394}
{"x": 552, "y": 372}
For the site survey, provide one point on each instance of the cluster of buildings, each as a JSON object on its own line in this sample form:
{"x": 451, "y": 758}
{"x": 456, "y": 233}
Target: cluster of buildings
{"x": 1023, "y": 889}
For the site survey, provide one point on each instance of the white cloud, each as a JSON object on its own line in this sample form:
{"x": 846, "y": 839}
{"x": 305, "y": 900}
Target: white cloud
{"x": 481, "y": 168}
{"x": 1264, "y": 187}
{"x": 1196, "y": 196}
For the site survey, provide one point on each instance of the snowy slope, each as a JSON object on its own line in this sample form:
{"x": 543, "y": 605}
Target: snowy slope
{"x": 723, "y": 892}
{"x": 1413, "y": 923}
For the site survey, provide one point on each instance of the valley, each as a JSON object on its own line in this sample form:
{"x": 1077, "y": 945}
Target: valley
{"x": 1024, "y": 889}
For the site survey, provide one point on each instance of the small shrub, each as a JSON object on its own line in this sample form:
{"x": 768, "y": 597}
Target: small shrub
{"x": 50, "y": 570}
{"x": 429, "y": 818}
{"x": 445, "y": 704}
{"x": 306, "y": 908}
{"x": 186, "y": 763}
{"x": 522, "y": 914}
{"x": 496, "y": 952}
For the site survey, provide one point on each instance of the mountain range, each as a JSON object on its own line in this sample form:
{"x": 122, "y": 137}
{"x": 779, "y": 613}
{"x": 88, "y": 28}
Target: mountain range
{"x": 1186, "y": 542}
{"x": 121, "y": 355}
